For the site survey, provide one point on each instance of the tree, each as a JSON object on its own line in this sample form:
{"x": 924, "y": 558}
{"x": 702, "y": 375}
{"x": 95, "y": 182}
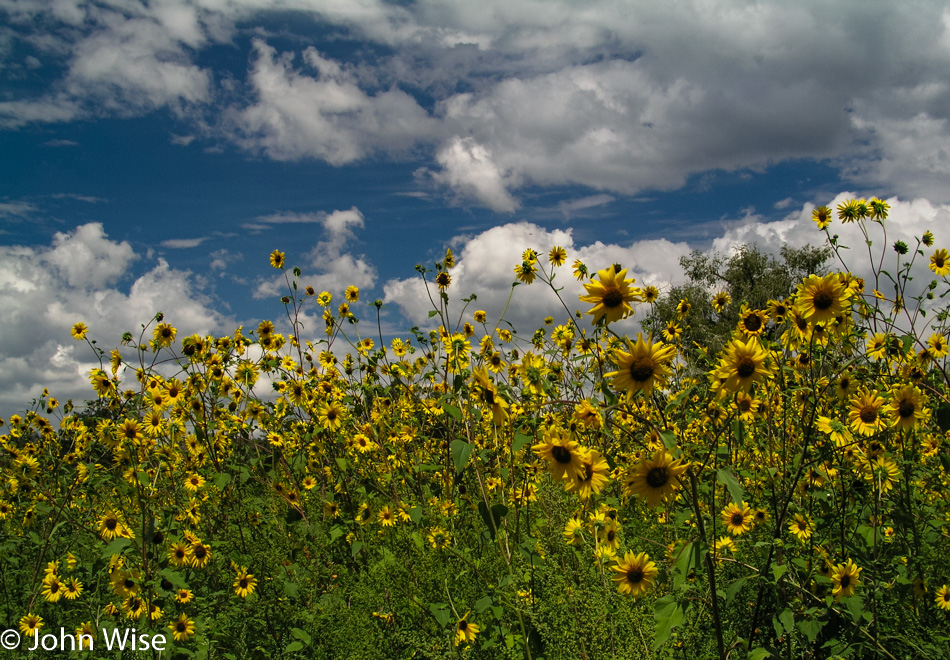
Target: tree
{"x": 749, "y": 276}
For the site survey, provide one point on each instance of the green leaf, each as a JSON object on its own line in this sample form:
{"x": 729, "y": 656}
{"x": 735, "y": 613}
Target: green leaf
{"x": 116, "y": 547}
{"x": 341, "y": 463}
{"x": 291, "y": 589}
{"x": 758, "y": 654}
{"x": 667, "y": 614}
{"x": 519, "y": 442}
{"x": 441, "y": 613}
{"x": 669, "y": 439}
{"x": 726, "y": 477}
{"x": 461, "y": 450}
{"x": 497, "y": 512}
{"x": 356, "y": 547}
{"x": 682, "y": 565}
{"x": 433, "y": 312}
{"x": 415, "y": 514}
{"x": 293, "y": 647}
{"x": 482, "y": 604}
{"x": 788, "y": 620}
{"x": 778, "y": 570}
{"x": 855, "y": 607}
{"x": 451, "y": 410}
{"x": 301, "y": 635}
{"x": 336, "y": 532}
{"x": 734, "y": 589}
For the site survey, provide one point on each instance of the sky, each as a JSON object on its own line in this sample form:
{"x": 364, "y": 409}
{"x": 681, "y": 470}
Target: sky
{"x": 153, "y": 154}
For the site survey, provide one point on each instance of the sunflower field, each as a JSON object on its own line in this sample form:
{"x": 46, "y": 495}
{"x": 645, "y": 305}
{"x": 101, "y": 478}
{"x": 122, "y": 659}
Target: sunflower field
{"x": 474, "y": 491}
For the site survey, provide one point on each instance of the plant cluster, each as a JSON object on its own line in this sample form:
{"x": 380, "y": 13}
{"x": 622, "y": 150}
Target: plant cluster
{"x": 472, "y": 491}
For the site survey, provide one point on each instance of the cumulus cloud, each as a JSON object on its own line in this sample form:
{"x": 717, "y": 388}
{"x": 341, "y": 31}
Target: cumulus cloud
{"x": 485, "y": 267}
{"x": 485, "y": 261}
{"x": 45, "y": 290}
{"x": 615, "y": 95}
{"x": 331, "y": 266}
{"x": 322, "y": 112}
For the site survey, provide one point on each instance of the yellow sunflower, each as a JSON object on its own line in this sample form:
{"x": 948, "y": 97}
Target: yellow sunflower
{"x": 635, "y": 574}
{"x": 644, "y": 364}
{"x": 846, "y": 577}
{"x": 656, "y": 479}
{"x": 943, "y": 598}
{"x": 821, "y": 299}
{"x": 737, "y": 518}
{"x": 592, "y": 477}
{"x": 906, "y": 408}
{"x": 244, "y": 583}
{"x": 752, "y": 321}
{"x": 465, "y": 631}
{"x": 182, "y": 629}
{"x": 611, "y": 296}
{"x": 865, "y": 414}
{"x": 564, "y": 456}
{"x": 742, "y": 364}
{"x": 940, "y": 262}
{"x": 801, "y": 527}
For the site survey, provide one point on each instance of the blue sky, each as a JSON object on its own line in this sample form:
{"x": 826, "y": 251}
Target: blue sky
{"x": 152, "y": 154}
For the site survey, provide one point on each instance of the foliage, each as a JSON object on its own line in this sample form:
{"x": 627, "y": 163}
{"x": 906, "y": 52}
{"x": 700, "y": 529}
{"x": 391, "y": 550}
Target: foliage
{"x": 469, "y": 491}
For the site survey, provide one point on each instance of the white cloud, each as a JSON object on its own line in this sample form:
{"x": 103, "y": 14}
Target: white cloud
{"x": 486, "y": 261}
{"x": 182, "y": 243}
{"x": 322, "y": 113}
{"x": 485, "y": 267}
{"x": 45, "y": 290}
{"x": 16, "y": 209}
{"x": 468, "y": 168}
{"x": 330, "y": 264}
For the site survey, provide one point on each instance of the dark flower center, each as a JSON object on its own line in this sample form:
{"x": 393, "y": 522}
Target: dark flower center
{"x": 180, "y": 627}
{"x": 634, "y": 576}
{"x": 753, "y": 322}
{"x": 746, "y": 367}
{"x": 463, "y": 625}
{"x": 641, "y": 370}
{"x": 613, "y": 298}
{"x": 845, "y": 581}
{"x": 868, "y": 414}
{"x": 737, "y": 519}
{"x": 657, "y": 477}
{"x": 244, "y": 584}
{"x": 823, "y": 300}
{"x": 200, "y": 552}
{"x": 906, "y": 409}
{"x": 111, "y": 524}
{"x": 561, "y": 455}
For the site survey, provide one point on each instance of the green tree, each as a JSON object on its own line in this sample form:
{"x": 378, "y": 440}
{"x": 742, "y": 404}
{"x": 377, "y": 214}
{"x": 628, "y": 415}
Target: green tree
{"x": 749, "y": 275}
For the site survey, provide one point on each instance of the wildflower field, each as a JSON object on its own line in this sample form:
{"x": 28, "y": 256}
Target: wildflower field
{"x": 750, "y": 477}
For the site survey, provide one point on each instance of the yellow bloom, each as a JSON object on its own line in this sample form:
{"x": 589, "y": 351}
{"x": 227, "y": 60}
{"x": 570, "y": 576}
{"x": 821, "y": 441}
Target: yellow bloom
{"x": 846, "y": 577}
{"x": 737, "y": 518}
{"x": 277, "y": 259}
{"x": 656, "y": 480}
{"x": 943, "y": 598}
{"x": 940, "y": 262}
{"x": 611, "y": 295}
{"x": 822, "y": 216}
{"x": 557, "y": 256}
{"x": 564, "y": 456}
{"x": 742, "y": 364}
{"x": 642, "y": 366}
{"x": 865, "y": 414}
{"x": 79, "y": 331}
{"x": 465, "y": 631}
{"x": 821, "y": 299}
{"x": 183, "y": 628}
{"x": 635, "y": 574}
{"x": 244, "y": 583}
{"x": 30, "y": 623}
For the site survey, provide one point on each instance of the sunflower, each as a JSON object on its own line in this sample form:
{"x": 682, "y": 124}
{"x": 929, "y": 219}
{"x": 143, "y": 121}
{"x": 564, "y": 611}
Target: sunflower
{"x": 672, "y": 331}
{"x": 656, "y": 479}
{"x": 439, "y": 538}
{"x": 486, "y": 392}
{"x": 564, "y": 456}
{"x": 752, "y": 321}
{"x": 635, "y": 574}
{"x": 30, "y": 623}
{"x": 865, "y": 414}
{"x": 821, "y": 299}
{"x": 574, "y": 531}
{"x": 801, "y": 527}
{"x": 650, "y": 294}
{"x": 184, "y": 596}
{"x": 940, "y": 262}
{"x": 182, "y": 629}
{"x": 52, "y": 588}
{"x": 164, "y": 334}
{"x": 244, "y": 583}
{"x": 73, "y": 589}
{"x": 85, "y": 634}
{"x": 557, "y": 256}
{"x": 611, "y": 296}
{"x": 846, "y": 577}
{"x": 79, "y": 331}
{"x": 742, "y": 364}
{"x": 737, "y": 518}
{"x": 526, "y": 272}
{"x": 109, "y": 526}
{"x": 465, "y": 631}
{"x": 610, "y": 535}
{"x": 720, "y": 301}
{"x": 942, "y": 599}
{"x": 200, "y": 555}
{"x": 907, "y": 408}
{"x": 937, "y": 344}
{"x": 330, "y": 415}
{"x": 822, "y": 216}
{"x": 386, "y": 517}
{"x": 592, "y": 477}
{"x": 646, "y": 363}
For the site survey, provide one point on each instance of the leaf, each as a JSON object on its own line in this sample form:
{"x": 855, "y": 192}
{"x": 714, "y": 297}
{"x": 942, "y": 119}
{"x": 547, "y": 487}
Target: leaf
{"x": 482, "y": 604}
{"x": 291, "y": 589}
{"x": 461, "y": 450}
{"x": 943, "y": 419}
{"x": 519, "y": 442}
{"x": 356, "y": 547}
{"x": 441, "y": 613}
{"x": 788, "y": 620}
{"x": 301, "y": 635}
{"x": 855, "y": 607}
{"x": 415, "y": 514}
{"x": 222, "y": 479}
{"x": 758, "y": 654}
{"x": 433, "y": 312}
{"x": 725, "y": 476}
{"x": 451, "y": 410}
{"x": 734, "y": 589}
{"x": 116, "y": 547}
{"x": 682, "y": 565}
{"x": 293, "y": 647}
{"x": 669, "y": 439}
{"x": 778, "y": 570}
{"x": 668, "y": 615}
{"x": 497, "y": 512}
